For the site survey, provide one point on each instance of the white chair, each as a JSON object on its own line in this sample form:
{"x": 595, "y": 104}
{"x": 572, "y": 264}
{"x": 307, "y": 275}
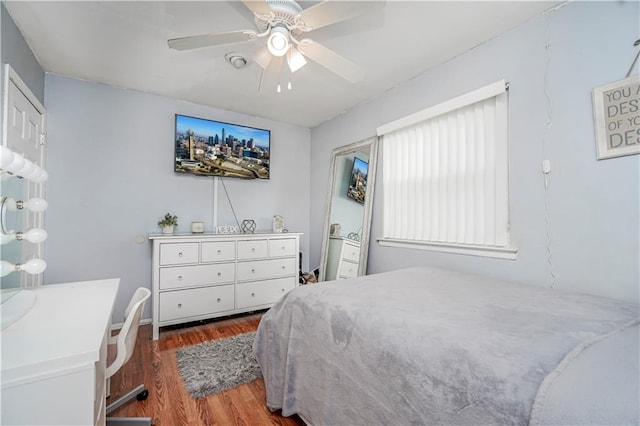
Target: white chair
{"x": 119, "y": 351}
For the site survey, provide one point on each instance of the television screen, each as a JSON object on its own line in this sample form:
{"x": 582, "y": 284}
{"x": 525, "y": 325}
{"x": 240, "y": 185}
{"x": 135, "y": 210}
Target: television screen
{"x": 212, "y": 148}
{"x": 358, "y": 180}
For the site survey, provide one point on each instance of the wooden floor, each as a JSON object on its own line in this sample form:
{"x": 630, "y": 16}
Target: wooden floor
{"x": 169, "y": 404}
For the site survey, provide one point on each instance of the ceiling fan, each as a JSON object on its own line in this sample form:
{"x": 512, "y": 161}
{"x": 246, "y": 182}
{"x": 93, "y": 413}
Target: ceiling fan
{"x": 282, "y": 23}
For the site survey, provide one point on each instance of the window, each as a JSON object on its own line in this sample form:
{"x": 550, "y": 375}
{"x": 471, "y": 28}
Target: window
{"x": 445, "y": 176}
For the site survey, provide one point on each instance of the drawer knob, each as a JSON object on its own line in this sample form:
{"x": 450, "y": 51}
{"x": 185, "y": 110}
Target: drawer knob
{"x": 253, "y": 249}
{"x": 218, "y": 300}
{"x": 283, "y": 248}
{"x": 253, "y": 295}
{"x": 283, "y": 266}
{"x": 179, "y": 305}
{"x": 253, "y": 271}
{"x": 219, "y": 274}
{"x": 282, "y": 290}
{"x": 179, "y": 277}
{"x": 180, "y": 254}
{"x": 219, "y": 251}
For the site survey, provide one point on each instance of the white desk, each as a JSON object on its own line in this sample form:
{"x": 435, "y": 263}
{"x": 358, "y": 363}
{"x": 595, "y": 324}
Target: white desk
{"x": 54, "y": 357}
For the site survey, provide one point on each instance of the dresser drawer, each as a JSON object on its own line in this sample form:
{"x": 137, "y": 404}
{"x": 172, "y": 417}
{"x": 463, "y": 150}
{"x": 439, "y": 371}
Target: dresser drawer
{"x": 262, "y": 293}
{"x": 347, "y": 270}
{"x": 196, "y": 302}
{"x": 178, "y": 253}
{"x": 351, "y": 252}
{"x": 252, "y": 249}
{"x": 191, "y": 276}
{"x": 282, "y": 247}
{"x": 261, "y": 269}
{"x": 218, "y": 251}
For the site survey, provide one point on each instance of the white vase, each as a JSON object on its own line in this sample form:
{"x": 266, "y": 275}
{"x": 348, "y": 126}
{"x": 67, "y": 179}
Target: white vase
{"x": 167, "y": 229}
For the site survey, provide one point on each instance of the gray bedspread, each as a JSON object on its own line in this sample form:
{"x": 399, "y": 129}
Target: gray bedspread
{"x": 423, "y": 346}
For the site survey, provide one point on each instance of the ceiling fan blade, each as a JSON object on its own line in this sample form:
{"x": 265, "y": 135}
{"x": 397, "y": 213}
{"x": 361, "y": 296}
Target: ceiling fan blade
{"x": 270, "y": 77}
{"x": 206, "y": 40}
{"x": 330, "y": 60}
{"x": 260, "y": 7}
{"x": 330, "y": 12}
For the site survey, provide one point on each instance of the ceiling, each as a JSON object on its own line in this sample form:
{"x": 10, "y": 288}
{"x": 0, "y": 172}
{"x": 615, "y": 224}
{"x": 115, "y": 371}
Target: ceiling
{"x": 125, "y": 44}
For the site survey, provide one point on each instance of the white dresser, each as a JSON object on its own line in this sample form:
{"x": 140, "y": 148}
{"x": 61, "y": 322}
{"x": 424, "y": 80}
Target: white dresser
{"x": 54, "y": 357}
{"x": 343, "y": 258}
{"x": 200, "y": 276}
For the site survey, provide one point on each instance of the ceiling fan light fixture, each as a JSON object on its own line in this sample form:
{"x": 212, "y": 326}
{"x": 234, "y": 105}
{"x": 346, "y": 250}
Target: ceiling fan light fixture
{"x": 295, "y": 59}
{"x": 278, "y": 41}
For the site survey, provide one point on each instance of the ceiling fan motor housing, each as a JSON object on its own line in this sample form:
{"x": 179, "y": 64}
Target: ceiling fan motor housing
{"x": 285, "y": 12}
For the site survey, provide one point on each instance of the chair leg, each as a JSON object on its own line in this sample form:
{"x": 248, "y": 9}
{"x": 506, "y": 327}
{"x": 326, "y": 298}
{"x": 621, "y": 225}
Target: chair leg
{"x": 126, "y": 398}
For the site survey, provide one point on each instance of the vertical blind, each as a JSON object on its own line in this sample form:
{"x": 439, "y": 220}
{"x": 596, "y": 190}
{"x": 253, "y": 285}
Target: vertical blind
{"x": 445, "y": 178}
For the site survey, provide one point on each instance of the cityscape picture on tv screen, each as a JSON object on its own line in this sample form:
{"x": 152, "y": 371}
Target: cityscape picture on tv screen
{"x": 213, "y": 148}
{"x": 358, "y": 180}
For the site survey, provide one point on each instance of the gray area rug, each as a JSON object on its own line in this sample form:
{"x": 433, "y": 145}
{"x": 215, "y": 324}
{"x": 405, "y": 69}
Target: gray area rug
{"x": 211, "y": 367}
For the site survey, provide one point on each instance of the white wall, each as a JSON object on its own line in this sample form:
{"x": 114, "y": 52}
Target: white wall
{"x": 110, "y": 158}
{"x": 594, "y": 205}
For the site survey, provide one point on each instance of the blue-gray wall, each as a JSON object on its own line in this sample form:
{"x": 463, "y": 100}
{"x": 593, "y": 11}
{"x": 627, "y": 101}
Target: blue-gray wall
{"x": 594, "y": 205}
{"x": 15, "y": 51}
{"x": 110, "y": 160}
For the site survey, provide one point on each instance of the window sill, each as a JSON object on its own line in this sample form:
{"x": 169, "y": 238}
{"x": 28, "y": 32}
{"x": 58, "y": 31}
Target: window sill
{"x": 510, "y": 253}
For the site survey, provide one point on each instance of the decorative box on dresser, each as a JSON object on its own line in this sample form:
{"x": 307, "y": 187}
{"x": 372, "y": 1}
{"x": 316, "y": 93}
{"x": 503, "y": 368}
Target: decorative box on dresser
{"x": 343, "y": 258}
{"x": 201, "y": 276}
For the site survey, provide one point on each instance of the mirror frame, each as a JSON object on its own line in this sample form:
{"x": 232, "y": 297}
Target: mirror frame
{"x": 372, "y": 144}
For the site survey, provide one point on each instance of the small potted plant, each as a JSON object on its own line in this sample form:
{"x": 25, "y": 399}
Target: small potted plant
{"x": 167, "y": 223}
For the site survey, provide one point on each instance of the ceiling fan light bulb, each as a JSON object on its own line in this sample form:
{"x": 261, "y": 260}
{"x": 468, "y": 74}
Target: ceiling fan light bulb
{"x": 278, "y": 41}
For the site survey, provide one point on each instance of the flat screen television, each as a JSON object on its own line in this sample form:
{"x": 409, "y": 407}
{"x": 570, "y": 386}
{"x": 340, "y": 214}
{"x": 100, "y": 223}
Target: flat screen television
{"x": 213, "y": 148}
{"x": 358, "y": 180}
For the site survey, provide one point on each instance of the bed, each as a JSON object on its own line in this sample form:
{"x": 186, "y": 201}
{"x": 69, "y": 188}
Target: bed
{"x": 437, "y": 347}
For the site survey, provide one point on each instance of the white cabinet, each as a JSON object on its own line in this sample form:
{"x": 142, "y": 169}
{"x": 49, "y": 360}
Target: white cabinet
{"x": 200, "y": 276}
{"x": 342, "y": 258}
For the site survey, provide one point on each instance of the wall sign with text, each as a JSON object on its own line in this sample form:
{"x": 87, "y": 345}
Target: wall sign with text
{"x": 616, "y": 110}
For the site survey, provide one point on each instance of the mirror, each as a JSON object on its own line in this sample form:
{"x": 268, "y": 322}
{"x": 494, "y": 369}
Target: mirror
{"x": 345, "y": 240}
{"x": 11, "y": 219}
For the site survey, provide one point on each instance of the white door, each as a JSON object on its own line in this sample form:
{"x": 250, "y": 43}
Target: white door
{"x": 23, "y": 128}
